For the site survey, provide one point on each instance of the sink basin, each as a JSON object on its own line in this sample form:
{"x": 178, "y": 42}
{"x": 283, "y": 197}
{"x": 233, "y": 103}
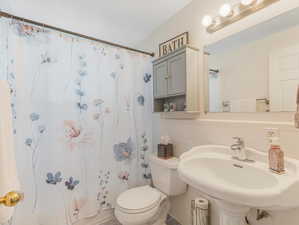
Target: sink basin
{"x": 212, "y": 170}
{"x": 228, "y": 173}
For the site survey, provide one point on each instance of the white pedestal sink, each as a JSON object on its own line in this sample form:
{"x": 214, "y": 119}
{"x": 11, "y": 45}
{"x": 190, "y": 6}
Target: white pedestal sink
{"x": 238, "y": 186}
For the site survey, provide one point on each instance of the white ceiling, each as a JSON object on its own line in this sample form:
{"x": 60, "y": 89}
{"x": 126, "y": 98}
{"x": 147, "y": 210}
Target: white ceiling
{"x": 122, "y": 21}
{"x": 137, "y": 18}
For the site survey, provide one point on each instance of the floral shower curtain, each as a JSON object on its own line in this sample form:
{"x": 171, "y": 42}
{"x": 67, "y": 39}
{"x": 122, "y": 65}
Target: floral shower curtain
{"x": 82, "y": 119}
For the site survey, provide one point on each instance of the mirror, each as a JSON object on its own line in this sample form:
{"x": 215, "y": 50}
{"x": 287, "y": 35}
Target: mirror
{"x": 256, "y": 70}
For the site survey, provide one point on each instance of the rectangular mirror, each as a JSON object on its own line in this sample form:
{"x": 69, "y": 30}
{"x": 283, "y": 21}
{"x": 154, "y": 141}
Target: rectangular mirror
{"x": 256, "y": 70}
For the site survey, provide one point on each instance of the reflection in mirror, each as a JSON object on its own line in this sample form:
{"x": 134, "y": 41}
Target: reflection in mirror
{"x": 256, "y": 70}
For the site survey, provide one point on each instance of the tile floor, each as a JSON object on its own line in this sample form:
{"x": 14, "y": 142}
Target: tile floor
{"x": 171, "y": 221}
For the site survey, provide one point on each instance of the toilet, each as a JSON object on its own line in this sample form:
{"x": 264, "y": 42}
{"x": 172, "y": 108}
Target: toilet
{"x": 148, "y": 205}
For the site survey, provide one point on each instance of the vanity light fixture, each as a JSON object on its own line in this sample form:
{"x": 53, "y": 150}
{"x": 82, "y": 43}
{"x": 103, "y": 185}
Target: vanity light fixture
{"x": 247, "y": 2}
{"x": 229, "y": 14}
{"x": 226, "y": 10}
{"x": 207, "y": 21}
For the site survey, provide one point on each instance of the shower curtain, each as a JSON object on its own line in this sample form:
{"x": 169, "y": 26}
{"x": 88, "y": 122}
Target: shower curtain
{"x": 82, "y": 122}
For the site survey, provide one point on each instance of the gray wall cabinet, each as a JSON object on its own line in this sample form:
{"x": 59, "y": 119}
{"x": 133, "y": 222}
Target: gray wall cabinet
{"x": 170, "y": 77}
{"x": 176, "y": 80}
{"x": 160, "y": 80}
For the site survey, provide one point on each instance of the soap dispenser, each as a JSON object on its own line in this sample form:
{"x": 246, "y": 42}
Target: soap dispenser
{"x": 276, "y": 156}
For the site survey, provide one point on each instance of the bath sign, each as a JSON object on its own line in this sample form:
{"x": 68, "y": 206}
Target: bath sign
{"x": 175, "y": 43}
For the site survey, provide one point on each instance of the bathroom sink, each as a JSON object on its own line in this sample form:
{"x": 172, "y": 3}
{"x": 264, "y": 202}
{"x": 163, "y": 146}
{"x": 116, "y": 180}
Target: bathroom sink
{"x": 212, "y": 170}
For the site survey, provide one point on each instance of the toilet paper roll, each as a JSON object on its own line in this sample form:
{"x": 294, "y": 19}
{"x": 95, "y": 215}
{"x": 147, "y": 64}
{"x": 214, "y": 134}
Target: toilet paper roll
{"x": 202, "y": 203}
{"x": 200, "y": 212}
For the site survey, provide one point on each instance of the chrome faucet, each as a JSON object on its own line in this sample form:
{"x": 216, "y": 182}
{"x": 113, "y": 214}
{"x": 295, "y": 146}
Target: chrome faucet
{"x": 239, "y": 151}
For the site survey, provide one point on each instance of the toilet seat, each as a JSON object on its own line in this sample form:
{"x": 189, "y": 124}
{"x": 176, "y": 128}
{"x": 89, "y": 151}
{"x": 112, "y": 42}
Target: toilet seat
{"x": 138, "y": 200}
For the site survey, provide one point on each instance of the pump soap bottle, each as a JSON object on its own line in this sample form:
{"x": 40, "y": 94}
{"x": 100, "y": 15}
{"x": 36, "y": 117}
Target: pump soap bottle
{"x": 276, "y": 156}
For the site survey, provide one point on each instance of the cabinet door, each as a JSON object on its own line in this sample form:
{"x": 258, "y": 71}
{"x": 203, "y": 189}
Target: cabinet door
{"x": 177, "y": 75}
{"x": 160, "y": 80}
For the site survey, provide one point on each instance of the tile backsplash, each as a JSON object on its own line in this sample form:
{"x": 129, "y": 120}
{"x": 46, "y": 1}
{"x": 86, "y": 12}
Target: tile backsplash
{"x": 188, "y": 133}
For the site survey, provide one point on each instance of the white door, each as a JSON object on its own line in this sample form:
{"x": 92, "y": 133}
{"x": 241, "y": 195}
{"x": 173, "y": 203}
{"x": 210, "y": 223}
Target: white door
{"x": 283, "y": 79}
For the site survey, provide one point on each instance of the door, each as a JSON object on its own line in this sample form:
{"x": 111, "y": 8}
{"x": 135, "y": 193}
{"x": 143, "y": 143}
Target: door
{"x": 160, "y": 80}
{"x": 177, "y": 75}
{"x": 284, "y": 79}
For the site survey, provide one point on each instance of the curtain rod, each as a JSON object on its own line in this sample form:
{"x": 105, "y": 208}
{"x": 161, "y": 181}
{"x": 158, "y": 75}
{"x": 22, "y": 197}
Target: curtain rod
{"x": 7, "y": 15}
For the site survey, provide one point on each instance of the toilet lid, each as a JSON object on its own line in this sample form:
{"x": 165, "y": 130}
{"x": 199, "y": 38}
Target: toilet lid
{"x": 139, "y": 198}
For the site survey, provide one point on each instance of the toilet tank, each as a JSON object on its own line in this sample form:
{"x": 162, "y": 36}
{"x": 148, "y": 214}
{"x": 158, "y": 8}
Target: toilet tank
{"x": 165, "y": 176}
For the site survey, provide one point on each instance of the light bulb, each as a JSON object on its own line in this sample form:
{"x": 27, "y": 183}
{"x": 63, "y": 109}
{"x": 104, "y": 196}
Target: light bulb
{"x": 247, "y": 2}
{"x": 207, "y": 21}
{"x": 225, "y": 10}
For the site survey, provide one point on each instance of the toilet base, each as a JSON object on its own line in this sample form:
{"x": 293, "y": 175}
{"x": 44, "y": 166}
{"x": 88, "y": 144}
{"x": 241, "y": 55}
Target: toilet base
{"x": 158, "y": 219}
{"x": 161, "y": 217}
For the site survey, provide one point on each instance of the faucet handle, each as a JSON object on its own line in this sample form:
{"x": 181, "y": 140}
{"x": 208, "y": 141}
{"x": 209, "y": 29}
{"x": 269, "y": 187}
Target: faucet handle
{"x": 239, "y": 140}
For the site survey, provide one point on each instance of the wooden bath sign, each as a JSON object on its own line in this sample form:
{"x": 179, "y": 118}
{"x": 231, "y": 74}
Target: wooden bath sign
{"x": 175, "y": 43}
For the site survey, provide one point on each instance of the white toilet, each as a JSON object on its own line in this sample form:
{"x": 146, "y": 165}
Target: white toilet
{"x": 146, "y": 205}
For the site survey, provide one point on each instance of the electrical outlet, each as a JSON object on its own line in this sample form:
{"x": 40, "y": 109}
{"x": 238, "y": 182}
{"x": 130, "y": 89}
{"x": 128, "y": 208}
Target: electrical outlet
{"x": 272, "y": 132}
